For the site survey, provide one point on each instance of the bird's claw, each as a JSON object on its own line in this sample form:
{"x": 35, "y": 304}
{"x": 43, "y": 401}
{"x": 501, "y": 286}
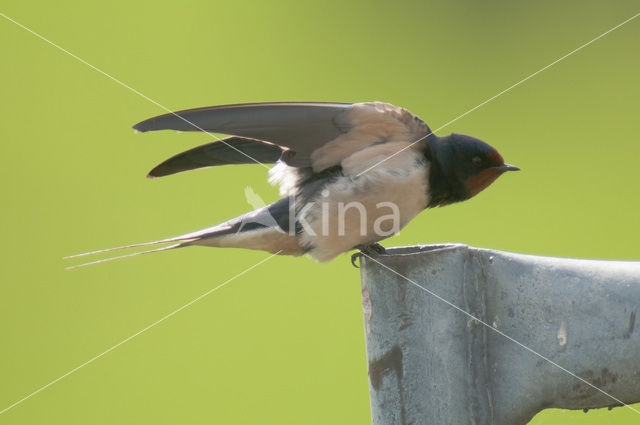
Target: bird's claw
{"x": 354, "y": 257}
{"x": 375, "y": 249}
{"x": 371, "y": 250}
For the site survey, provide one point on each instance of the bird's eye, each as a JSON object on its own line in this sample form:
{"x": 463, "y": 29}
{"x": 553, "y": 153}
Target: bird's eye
{"x": 476, "y": 160}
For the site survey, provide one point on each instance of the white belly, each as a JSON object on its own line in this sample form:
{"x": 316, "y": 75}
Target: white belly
{"x": 361, "y": 210}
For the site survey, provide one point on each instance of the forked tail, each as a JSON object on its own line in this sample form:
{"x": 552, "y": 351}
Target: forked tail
{"x": 264, "y": 229}
{"x": 181, "y": 242}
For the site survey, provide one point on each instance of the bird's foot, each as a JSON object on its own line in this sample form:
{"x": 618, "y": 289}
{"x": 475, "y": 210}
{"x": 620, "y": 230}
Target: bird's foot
{"x": 369, "y": 250}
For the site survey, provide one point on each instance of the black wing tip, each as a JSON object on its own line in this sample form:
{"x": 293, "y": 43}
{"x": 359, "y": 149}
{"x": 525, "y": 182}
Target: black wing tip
{"x": 144, "y": 126}
{"x": 178, "y": 122}
{"x": 161, "y": 171}
{"x": 170, "y": 121}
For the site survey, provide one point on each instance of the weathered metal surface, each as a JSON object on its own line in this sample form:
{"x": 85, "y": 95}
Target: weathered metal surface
{"x": 429, "y": 363}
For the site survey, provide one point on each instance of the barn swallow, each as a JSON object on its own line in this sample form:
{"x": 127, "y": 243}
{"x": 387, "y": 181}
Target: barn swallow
{"x": 351, "y": 174}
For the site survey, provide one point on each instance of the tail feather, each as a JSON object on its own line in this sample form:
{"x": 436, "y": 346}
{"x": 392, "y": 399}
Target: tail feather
{"x": 104, "y": 260}
{"x": 182, "y": 241}
{"x": 135, "y": 245}
{"x": 263, "y": 229}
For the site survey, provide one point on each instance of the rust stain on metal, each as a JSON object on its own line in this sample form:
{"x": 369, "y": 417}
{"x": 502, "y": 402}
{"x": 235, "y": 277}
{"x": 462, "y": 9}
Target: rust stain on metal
{"x": 606, "y": 377}
{"x": 390, "y": 362}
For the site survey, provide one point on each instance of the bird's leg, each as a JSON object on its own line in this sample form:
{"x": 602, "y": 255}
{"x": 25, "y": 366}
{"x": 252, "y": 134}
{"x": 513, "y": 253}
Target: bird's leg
{"x": 369, "y": 250}
{"x": 375, "y": 249}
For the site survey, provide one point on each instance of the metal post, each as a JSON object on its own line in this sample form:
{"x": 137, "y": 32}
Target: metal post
{"x": 429, "y": 363}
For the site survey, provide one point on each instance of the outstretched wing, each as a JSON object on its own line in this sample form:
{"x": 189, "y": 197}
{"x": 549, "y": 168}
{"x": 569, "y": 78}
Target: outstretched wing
{"x": 232, "y": 150}
{"x": 318, "y": 135}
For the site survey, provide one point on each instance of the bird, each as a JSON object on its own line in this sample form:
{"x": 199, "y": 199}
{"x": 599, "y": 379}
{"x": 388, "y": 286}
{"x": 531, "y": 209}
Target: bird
{"x": 350, "y": 174}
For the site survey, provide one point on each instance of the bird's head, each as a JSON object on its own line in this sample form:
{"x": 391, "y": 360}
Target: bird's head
{"x": 462, "y": 166}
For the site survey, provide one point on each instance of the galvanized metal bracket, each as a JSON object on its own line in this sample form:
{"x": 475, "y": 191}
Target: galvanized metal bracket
{"x": 430, "y": 363}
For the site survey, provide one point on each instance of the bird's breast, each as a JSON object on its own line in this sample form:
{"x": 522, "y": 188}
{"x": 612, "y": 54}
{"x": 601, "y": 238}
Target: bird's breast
{"x": 354, "y": 210}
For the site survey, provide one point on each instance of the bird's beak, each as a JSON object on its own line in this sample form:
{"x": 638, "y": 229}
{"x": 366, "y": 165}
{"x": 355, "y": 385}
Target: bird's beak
{"x": 507, "y": 167}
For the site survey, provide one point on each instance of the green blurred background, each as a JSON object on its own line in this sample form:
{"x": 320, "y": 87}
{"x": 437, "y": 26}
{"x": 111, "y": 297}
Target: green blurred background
{"x": 284, "y": 343}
